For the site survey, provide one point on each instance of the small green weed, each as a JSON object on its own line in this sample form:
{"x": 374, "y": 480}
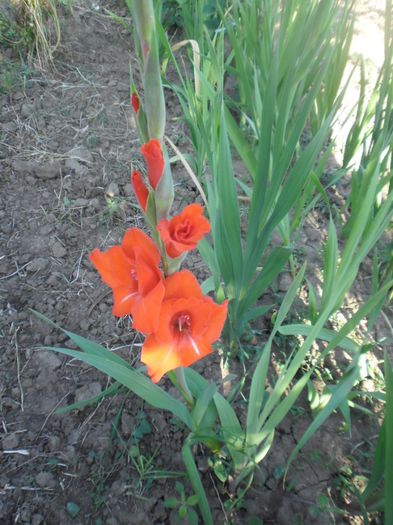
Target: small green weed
{"x": 184, "y": 505}
{"x": 14, "y": 75}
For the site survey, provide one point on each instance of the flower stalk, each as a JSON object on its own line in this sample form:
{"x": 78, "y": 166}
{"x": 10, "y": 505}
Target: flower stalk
{"x": 151, "y": 75}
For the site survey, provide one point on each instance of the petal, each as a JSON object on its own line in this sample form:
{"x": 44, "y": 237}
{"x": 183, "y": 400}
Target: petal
{"x": 140, "y": 189}
{"x": 146, "y": 310}
{"x": 161, "y": 357}
{"x": 136, "y": 241}
{"x": 163, "y": 230}
{"x": 123, "y": 301}
{"x": 148, "y": 274}
{"x": 182, "y": 284}
{"x": 184, "y": 231}
{"x": 152, "y": 154}
{"x": 208, "y": 319}
{"x": 175, "y": 248}
{"x": 113, "y": 266}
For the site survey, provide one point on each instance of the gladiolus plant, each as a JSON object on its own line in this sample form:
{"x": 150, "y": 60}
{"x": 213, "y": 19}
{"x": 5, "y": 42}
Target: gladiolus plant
{"x": 178, "y": 322}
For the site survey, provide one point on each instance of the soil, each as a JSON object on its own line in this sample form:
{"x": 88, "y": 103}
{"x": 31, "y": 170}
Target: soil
{"x": 67, "y": 140}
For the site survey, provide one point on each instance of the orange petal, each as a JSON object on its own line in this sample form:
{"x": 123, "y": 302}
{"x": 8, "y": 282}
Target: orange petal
{"x": 208, "y": 319}
{"x": 161, "y": 357}
{"x": 152, "y": 154}
{"x": 148, "y": 275}
{"x": 140, "y": 190}
{"x": 136, "y": 241}
{"x": 113, "y": 266}
{"x": 182, "y": 284}
{"x": 184, "y": 231}
{"x": 146, "y": 310}
{"x": 123, "y": 301}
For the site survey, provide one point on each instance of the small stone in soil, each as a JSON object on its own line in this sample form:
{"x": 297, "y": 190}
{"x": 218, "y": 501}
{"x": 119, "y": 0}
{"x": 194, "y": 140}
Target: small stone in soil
{"x": 10, "y": 441}
{"x": 26, "y": 110}
{"x": 58, "y": 250}
{"x": 48, "y": 170}
{"x": 37, "y": 264}
{"x": 82, "y": 154}
{"x": 112, "y": 190}
{"x": 77, "y": 167}
{"x": 9, "y": 127}
{"x": 312, "y": 234}
{"x": 88, "y": 391}
{"x": 37, "y": 519}
{"x": 45, "y": 479}
{"x": 23, "y": 166}
{"x": 47, "y": 360}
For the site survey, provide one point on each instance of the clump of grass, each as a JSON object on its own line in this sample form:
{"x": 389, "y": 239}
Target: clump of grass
{"x": 31, "y": 27}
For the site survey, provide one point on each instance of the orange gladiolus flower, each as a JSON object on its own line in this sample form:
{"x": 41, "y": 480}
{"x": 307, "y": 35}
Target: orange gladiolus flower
{"x": 140, "y": 190}
{"x": 131, "y": 270}
{"x": 189, "y": 322}
{"x": 152, "y": 154}
{"x": 135, "y": 102}
{"x": 184, "y": 231}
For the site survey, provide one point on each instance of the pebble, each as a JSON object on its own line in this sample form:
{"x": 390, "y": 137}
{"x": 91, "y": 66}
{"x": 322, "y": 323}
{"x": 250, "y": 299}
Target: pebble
{"x": 37, "y": 519}
{"x": 40, "y": 263}
{"x": 53, "y": 443}
{"x": 23, "y": 166}
{"x": 46, "y": 229}
{"x": 85, "y": 325}
{"x": 10, "y": 441}
{"x": 82, "y": 154}
{"x": 27, "y": 109}
{"x": 76, "y": 166}
{"x": 47, "y": 360}
{"x": 58, "y": 250}
{"x": 94, "y": 203}
{"x": 48, "y": 170}
{"x": 112, "y": 190}
{"x": 128, "y": 190}
{"x": 9, "y": 127}
{"x": 312, "y": 234}
{"x": 127, "y": 424}
{"x": 45, "y": 479}
{"x": 88, "y": 391}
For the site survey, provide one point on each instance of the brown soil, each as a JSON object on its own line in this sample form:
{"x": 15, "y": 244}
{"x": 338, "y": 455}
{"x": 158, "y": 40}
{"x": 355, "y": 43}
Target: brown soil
{"x": 65, "y": 149}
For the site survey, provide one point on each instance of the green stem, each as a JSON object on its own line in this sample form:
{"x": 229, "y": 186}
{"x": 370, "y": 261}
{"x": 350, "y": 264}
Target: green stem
{"x": 179, "y": 381}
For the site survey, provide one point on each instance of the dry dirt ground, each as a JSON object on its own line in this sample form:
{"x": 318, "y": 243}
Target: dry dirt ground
{"x": 66, "y": 142}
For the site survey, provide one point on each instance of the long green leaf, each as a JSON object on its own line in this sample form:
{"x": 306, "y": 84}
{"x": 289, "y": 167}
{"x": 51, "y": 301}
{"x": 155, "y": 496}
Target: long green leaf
{"x": 196, "y": 483}
{"x": 90, "y": 347}
{"x": 134, "y": 381}
{"x": 389, "y": 441}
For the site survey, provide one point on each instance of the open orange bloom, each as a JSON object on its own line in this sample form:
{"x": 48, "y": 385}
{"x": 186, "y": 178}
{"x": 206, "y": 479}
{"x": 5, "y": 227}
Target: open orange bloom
{"x": 131, "y": 270}
{"x": 184, "y": 231}
{"x": 152, "y": 154}
{"x": 189, "y": 322}
{"x": 140, "y": 189}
